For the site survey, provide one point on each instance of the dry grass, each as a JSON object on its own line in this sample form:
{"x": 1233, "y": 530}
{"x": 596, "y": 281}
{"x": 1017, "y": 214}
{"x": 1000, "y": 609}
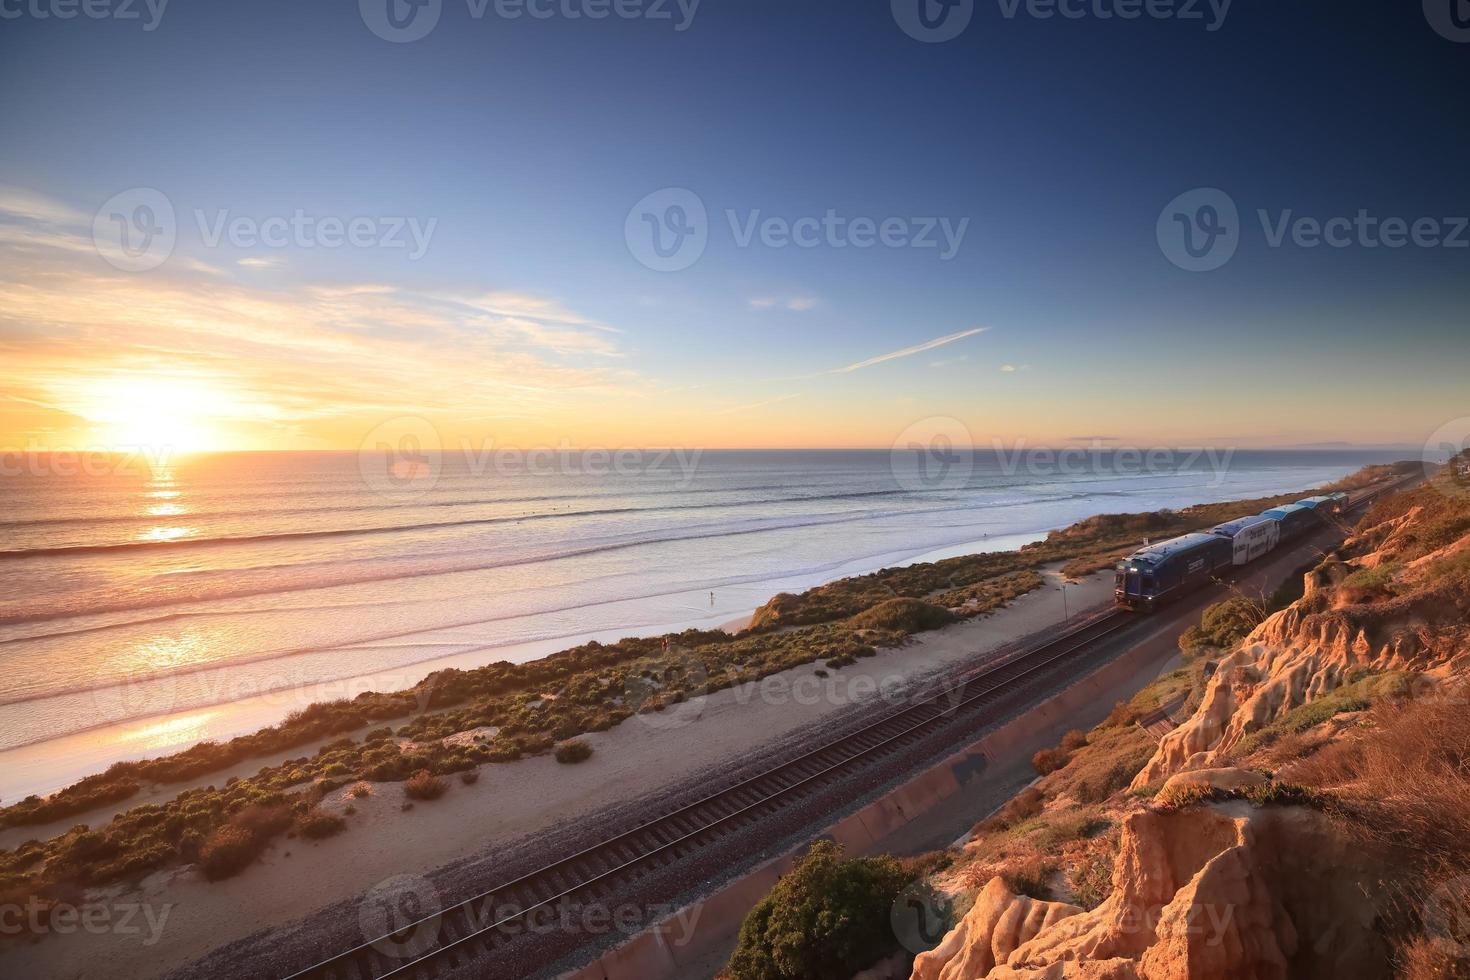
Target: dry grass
{"x": 1407, "y": 780}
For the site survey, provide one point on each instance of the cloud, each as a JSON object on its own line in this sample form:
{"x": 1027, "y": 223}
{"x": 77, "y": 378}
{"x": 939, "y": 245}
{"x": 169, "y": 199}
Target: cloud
{"x": 908, "y": 351}
{"x": 1013, "y": 369}
{"x": 314, "y": 362}
{"x": 795, "y": 304}
{"x": 945, "y": 362}
{"x": 1094, "y": 438}
{"x": 262, "y": 262}
{"x": 28, "y": 205}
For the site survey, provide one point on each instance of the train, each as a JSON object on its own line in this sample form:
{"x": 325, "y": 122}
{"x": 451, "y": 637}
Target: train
{"x": 1160, "y": 573}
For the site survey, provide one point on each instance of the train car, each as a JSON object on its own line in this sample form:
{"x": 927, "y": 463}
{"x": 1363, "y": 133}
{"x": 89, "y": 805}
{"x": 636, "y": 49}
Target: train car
{"x": 1295, "y": 519}
{"x": 1251, "y": 537}
{"x": 1165, "y": 571}
{"x": 1328, "y": 503}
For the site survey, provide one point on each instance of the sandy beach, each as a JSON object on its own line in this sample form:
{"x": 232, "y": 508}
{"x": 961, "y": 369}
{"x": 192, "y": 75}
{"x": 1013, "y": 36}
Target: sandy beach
{"x": 513, "y": 800}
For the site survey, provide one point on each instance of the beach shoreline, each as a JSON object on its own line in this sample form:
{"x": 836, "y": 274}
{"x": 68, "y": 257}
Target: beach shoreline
{"x": 46, "y": 765}
{"x": 632, "y": 761}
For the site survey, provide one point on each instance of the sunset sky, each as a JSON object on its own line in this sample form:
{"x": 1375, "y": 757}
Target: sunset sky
{"x": 523, "y": 146}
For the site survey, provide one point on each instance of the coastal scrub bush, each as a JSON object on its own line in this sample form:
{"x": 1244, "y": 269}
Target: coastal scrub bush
{"x": 1048, "y": 761}
{"x": 1032, "y": 878}
{"x": 904, "y": 615}
{"x": 825, "y": 920}
{"x": 424, "y": 785}
{"x": 316, "y": 824}
{"x": 360, "y": 790}
{"x": 1222, "y": 626}
{"x": 574, "y": 751}
{"x": 227, "y": 851}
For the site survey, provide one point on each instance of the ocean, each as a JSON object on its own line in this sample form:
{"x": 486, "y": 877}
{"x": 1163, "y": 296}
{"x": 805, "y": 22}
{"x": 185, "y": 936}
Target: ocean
{"x": 146, "y": 607}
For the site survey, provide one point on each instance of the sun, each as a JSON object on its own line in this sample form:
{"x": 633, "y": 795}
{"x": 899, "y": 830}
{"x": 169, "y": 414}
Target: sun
{"x": 158, "y": 414}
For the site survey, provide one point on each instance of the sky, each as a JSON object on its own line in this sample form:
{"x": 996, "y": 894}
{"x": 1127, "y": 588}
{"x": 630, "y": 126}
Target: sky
{"x": 731, "y": 223}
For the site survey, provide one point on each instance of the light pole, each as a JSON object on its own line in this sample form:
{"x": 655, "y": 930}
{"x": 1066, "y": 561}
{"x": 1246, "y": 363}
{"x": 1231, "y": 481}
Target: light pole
{"x": 1066, "y": 616}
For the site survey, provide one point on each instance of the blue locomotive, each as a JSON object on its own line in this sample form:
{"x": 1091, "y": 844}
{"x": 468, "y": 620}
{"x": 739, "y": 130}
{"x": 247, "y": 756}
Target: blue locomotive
{"x": 1162, "y": 572}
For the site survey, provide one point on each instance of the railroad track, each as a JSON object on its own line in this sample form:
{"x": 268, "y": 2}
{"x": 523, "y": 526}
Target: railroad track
{"x": 434, "y": 944}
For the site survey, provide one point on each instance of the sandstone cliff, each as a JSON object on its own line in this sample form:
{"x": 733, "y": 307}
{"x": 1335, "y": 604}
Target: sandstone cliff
{"x": 1226, "y": 866}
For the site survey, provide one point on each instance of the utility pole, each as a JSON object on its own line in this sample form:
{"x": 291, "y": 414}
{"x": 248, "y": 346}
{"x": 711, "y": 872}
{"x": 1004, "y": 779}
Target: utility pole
{"x": 1066, "y": 616}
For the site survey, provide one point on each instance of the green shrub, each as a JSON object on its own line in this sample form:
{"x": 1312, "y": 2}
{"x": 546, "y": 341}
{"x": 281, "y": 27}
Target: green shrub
{"x": 904, "y": 615}
{"x": 573, "y": 752}
{"x": 1222, "y": 626}
{"x": 825, "y": 920}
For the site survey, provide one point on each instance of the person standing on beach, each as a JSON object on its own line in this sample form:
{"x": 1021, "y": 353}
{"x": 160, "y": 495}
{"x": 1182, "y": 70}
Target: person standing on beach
{"x": 712, "y": 600}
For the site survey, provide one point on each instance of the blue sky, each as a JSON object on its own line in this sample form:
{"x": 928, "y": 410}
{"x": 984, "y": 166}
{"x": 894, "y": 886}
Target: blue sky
{"x": 528, "y": 141}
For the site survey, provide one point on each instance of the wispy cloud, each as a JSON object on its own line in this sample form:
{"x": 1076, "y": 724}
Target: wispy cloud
{"x": 262, "y": 262}
{"x": 927, "y": 345}
{"x": 796, "y": 304}
{"x": 1014, "y": 368}
{"x": 315, "y": 361}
